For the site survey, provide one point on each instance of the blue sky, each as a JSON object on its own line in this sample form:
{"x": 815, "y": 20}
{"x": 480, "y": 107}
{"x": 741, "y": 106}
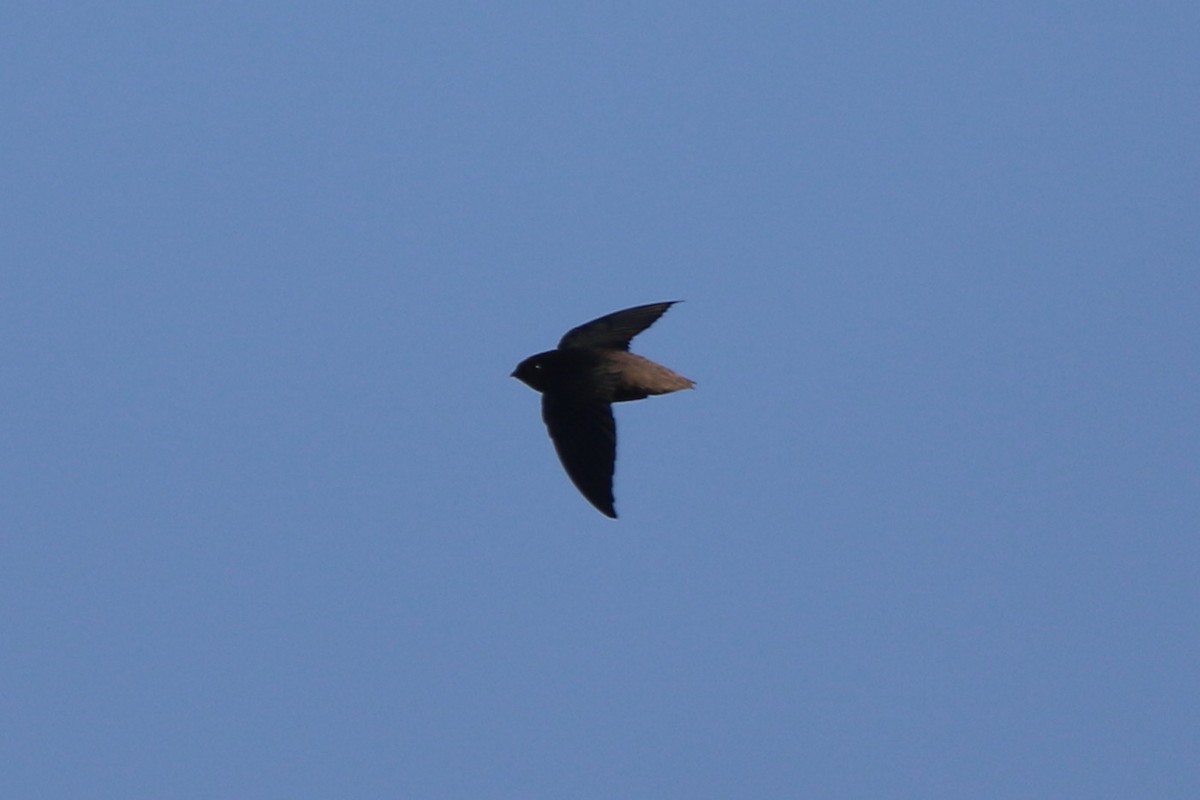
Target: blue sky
{"x": 275, "y": 521}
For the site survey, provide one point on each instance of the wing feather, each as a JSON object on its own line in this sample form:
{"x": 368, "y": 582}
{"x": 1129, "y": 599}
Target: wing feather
{"x": 585, "y": 438}
{"x": 615, "y": 331}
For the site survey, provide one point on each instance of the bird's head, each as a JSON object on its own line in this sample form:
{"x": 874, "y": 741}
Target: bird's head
{"x": 536, "y": 371}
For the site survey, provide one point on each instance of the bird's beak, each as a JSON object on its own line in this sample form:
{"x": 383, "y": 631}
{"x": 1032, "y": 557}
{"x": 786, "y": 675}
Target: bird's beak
{"x": 512, "y": 374}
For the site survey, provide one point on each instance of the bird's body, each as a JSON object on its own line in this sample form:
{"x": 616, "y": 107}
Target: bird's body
{"x": 590, "y": 370}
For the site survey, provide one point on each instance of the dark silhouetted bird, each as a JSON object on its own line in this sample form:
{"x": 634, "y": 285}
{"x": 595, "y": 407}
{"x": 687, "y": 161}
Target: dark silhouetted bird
{"x": 592, "y": 369}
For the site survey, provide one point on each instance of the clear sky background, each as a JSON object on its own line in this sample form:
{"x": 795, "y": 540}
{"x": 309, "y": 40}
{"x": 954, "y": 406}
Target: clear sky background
{"x": 276, "y": 522}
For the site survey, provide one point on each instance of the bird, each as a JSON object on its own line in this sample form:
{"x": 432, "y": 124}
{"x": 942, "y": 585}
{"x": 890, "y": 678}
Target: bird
{"x": 590, "y": 370}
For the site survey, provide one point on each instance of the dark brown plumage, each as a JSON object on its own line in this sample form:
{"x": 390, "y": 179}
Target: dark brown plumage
{"x": 592, "y": 369}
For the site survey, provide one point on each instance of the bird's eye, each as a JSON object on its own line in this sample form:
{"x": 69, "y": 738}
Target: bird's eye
{"x": 537, "y": 366}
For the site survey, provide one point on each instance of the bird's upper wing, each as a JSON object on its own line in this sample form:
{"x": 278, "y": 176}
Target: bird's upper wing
{"x": 614, "y": 331}
{"x": 585, "y": 438}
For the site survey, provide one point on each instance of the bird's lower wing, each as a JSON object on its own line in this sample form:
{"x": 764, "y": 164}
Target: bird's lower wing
{"x": 585, "y": 437}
